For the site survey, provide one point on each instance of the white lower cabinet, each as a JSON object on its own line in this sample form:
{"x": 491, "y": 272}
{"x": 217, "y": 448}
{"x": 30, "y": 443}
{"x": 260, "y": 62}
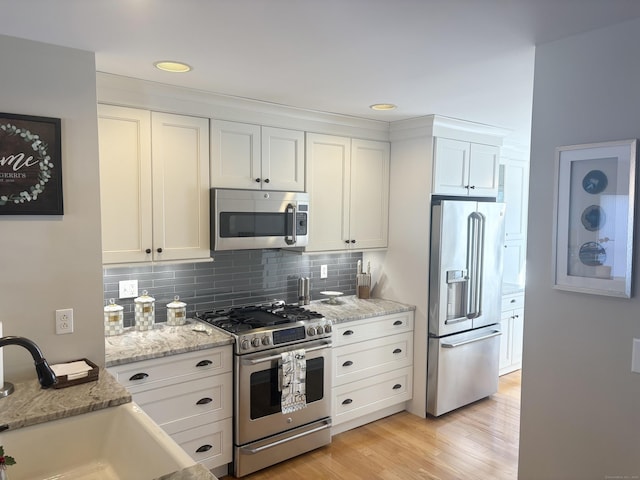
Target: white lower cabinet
{"x": 512, "y": 322}
{"x": 190, "y": 396}
{"x": 372, "y": 363}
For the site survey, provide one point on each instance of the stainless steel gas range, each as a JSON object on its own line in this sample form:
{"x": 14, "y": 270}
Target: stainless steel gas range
{"x": 282, "y": 375}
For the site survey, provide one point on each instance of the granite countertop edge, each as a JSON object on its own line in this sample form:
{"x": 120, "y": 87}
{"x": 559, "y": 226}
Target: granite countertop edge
{"x": 134, "y": 346}
{"x": 351, "y": 308}
{"x": 31, "y": 405}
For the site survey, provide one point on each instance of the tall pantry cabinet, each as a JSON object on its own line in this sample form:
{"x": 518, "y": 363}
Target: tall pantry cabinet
{"x": 154, "y": 185}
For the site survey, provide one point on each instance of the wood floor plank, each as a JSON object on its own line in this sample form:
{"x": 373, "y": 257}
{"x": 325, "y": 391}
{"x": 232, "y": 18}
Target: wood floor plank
{"x": 479, "y": 441}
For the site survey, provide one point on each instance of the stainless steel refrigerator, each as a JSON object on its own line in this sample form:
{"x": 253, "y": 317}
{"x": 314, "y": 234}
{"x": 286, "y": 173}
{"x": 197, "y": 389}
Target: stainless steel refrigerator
{"x": 465, "y": 286}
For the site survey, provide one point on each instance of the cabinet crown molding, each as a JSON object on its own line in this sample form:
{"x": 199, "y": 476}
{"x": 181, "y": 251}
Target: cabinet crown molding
{"x": 454, "y": 128}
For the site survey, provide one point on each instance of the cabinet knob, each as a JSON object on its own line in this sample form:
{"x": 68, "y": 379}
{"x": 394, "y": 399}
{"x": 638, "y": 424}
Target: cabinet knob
{"x": 257, "y": 180}
{"x": 467, "y": 187}
{"x": 397, "y": 322}
{"x": 148, "y": 250}
{"x": 347, "y": 401}
{"x": 397, "y": 386}
{"x": 348, "y": 363}
{"x": 346, "y": 241}
{"x": 204, "y": 401}
{"x": 266, "y": 180}
{"x": 204, "y": 448}
{"x": 203, "y": 363}
{"x": 353, "y": 241}
{"x": 138, "y": 376}
{"x": 513, "y": 300}
{"x": 397, "y": 350}
{"x": 472, "y": 187}
{"x": 159, "y": 250}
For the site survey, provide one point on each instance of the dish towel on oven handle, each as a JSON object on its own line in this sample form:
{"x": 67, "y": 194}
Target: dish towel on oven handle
{"x": 292, "y": 378}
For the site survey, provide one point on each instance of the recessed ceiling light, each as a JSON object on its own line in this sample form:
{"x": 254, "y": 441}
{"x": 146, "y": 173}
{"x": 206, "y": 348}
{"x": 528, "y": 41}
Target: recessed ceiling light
{"x": 171, "y": 66}
{"x": 383, "y": 106}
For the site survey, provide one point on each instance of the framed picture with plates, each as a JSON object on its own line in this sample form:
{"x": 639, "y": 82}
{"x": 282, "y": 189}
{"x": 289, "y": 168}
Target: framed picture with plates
{"x": 594, "y": 207}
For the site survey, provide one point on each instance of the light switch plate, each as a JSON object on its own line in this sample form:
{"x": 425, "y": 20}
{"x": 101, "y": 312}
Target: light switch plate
{"x": 635, "y": 356}
{"x": 128, "y": 288}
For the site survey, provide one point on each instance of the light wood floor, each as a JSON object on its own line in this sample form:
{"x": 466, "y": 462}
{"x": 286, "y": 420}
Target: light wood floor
{"x": 479, "y": 441}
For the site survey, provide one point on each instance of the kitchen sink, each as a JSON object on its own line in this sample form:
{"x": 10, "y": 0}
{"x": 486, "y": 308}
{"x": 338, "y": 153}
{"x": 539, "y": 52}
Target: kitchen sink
{"x": 115, "y": 443}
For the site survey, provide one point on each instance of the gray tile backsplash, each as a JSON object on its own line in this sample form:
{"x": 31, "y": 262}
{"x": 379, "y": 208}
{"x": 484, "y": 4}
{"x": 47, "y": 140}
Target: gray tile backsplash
{"x": 237, "y": 277}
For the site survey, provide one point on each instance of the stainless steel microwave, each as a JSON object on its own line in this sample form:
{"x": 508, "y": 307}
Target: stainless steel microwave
{"x": 251, "y": 219}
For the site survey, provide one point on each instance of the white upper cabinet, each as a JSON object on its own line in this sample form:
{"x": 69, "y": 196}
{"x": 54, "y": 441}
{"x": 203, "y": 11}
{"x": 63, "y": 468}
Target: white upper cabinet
{"x": 254, "y": 157}
{"x": 348, "y": 185}
{"x": 464, "y": 168}
{"x": 154, "y": 185}
{"x": 514, "y": 192}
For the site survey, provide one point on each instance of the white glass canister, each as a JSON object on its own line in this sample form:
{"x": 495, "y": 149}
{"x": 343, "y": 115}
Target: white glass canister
{"x": 145, "y": 312}
{"x": 176, "y": 312}
{"x": 113, "y": 319}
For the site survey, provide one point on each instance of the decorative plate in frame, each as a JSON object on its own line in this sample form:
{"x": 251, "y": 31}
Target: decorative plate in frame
{"x": 594, "y": 217}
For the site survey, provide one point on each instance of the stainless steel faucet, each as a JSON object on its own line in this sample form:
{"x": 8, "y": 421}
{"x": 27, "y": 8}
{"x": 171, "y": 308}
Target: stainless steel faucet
{"x": 46, "y": 376}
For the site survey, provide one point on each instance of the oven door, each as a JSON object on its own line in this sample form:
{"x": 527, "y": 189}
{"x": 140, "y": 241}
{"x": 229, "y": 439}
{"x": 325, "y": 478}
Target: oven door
{"x": 258, "y": 412}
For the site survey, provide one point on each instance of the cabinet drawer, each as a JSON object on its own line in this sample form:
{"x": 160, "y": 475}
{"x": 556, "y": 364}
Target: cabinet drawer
{"x": 510, "y": 302}
{"x": 373, "y": 357}
{"x": 209, "y": 396}
{"x": 139, "y": 376}
{"x": 372, "y": 394}
{"x": 208, "y": 444}
{"x": 360, "y": 330}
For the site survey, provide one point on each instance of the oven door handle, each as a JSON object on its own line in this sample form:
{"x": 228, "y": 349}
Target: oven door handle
{"x": 253, "y": 451}
{"x": 270, "y": 358}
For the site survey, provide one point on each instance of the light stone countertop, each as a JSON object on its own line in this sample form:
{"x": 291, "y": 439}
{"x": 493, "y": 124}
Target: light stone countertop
{"x": 353, "y": 308}
{"x": 29, "y": 404}
{"x": 511, "y": 289}
{"x": 162, "y": 340}
{"x": 197, "y": 472}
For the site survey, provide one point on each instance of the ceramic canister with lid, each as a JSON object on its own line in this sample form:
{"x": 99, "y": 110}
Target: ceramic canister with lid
{"x": 113, "y": 319}
{"x": 176, "y": 312}
{"x": 145, "y": 311}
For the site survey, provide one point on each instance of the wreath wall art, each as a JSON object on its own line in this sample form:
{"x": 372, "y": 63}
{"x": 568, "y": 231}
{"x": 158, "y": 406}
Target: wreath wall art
{"x": 30, "y": 165}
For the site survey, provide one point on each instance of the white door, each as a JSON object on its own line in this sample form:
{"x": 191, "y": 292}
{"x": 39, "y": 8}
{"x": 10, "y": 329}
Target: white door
{"x": 369, "y": 212}
{"x": 282, "y": 160}
{"x": 328, "y": 184}
{"x": 451, "y": 167}
{"x": 124, "y": 136}
{"x": 483, "y": 170}
{"x": 235, "y": 155}
{"x": 180, "y": 149}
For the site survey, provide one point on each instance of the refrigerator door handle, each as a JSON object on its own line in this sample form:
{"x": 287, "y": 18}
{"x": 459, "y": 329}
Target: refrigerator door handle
{"x": 475, "y": 249}
{"x": 495, "y": 333}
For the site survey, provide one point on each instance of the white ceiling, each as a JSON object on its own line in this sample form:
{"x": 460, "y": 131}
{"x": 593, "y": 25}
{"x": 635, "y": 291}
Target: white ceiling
{"x": 470, "y": 59}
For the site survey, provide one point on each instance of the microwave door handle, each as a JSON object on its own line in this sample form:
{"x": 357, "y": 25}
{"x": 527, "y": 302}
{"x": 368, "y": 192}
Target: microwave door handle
{"x": 292, "y": 208}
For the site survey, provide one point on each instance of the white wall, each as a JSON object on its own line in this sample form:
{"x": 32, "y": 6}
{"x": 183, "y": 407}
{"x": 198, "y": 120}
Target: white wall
{"x": 402, "y": 273}
{"x": 580, "y": 400}
{"x": 48, "y": 263}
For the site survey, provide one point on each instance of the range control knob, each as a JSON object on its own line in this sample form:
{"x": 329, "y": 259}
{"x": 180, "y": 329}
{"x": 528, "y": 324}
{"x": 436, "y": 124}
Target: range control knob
{"x": 255, "y": 342}
{"x": 266, "y": 340}
{"x": 327, "y": 328}
{"x": 244, "y": 344}
{"x": 311, "y": 331}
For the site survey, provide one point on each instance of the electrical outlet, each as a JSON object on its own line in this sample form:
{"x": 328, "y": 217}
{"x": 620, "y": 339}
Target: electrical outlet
{"x": 64, "y": 321}
{"x": 128, "y": 288}
{"x": 323, "y": 271}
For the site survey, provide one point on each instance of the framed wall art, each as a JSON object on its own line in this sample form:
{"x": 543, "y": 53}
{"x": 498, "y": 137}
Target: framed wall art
{"x": 30, "y": 165}
{"x": 594, "y": 218}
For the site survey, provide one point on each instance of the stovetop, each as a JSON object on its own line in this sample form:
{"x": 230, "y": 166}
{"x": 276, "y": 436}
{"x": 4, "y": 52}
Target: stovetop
{"x": 244, "y": 319}
{"x": 264, "y": 327}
